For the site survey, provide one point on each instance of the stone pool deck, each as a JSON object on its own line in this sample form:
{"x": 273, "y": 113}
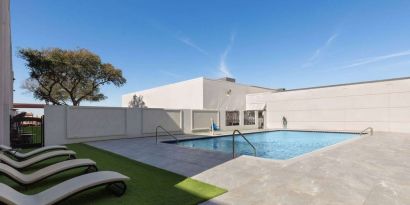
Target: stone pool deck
{"x": 184, "y": 161}
{"x": 369, "y": 170}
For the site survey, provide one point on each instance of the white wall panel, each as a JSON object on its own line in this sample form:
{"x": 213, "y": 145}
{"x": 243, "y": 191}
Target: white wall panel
{"x": 201, "y": 119}
{"x": 171, "y": 120}
{"x": 90, "y": 122}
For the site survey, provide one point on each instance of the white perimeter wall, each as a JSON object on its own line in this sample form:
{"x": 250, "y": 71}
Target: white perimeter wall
{"x": 384, "y": 105}
{"x": 6, "y": 74}
{"x": 182, "y": 95}
{"x": 65, "y": 124}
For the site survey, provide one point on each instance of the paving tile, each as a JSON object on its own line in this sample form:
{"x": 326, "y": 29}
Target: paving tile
{"x": 165, "y": 156}
{"x": 389, "y": 193}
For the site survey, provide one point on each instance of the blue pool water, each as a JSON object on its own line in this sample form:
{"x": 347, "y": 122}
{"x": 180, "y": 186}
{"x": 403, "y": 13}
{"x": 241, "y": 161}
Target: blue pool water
{"x": 273, "y": 145}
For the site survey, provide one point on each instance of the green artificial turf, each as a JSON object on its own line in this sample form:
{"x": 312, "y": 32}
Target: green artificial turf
{"x": 148, "y": 185}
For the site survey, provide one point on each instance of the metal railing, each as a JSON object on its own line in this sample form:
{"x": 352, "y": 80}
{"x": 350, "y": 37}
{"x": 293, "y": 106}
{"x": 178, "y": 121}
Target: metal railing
{"x": 166, "y": 131}
{"x": 364, "y": 131}
{"x": 233, "y": 143}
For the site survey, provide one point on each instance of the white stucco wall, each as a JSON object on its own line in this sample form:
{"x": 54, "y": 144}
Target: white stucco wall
{"x": 6, "y": 73}
{"x": 182, "y": 95}
{"x": 383, "y": 105}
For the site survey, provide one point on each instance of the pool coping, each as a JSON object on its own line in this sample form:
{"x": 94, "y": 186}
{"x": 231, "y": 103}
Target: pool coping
{"x": 310, "y": 154}
{"x": 282, "y": 161}
{"x": 199, "y": 137}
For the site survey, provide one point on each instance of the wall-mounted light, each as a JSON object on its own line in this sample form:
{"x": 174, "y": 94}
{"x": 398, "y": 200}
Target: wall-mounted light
{"x": 228, "y": 93}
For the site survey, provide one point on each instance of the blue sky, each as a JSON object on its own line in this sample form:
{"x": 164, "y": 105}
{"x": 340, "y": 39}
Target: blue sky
{"x": 286, "y": 44}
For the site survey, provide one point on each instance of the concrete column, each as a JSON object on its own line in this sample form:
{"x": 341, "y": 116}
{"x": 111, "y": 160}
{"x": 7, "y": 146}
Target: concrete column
{"x": 241, "y": 118}
{"x": 256, "y": 118}
{"x": 6, "y": 73}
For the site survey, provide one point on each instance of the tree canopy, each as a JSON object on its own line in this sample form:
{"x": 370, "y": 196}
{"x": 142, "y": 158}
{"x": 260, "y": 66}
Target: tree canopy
{"x": 137, "y": 102}
{"x": 60, "y": 76}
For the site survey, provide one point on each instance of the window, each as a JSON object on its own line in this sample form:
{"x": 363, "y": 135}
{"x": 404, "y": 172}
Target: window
{"x": 232, "y": 118}
{"x": 249, "y": 117}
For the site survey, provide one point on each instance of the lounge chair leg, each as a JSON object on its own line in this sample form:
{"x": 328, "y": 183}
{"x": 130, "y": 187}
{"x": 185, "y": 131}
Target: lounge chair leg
{"x": 70, "y": 157}
{"x": 25, "y": 187}
{"x": 90, "y": 169}
{"x": 117, "y": 188}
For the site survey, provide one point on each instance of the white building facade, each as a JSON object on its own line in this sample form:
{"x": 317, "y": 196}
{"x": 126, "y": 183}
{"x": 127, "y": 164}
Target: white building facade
{"x": 6, "y": 72}
{"x": 199, "y": 93}
{"x": 383, "y": 105}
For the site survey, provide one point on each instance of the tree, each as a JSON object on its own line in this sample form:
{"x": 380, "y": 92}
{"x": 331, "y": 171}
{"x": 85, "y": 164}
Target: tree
{"x": 137, "y": 102}
{"x": 60, "y": 76}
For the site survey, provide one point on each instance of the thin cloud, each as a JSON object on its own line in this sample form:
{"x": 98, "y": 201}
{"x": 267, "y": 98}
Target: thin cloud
{"x": 223, "y": 68}
{"x": 187, "y": 41}
{"x": 177, "y": 35}
{"x": 170, "y": 74}
{"x": 370, "y": 60}
{"x": 318, "y": 52}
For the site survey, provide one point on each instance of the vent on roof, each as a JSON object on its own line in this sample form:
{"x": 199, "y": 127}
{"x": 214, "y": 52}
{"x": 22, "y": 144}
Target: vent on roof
{"x": 227, "y": 79}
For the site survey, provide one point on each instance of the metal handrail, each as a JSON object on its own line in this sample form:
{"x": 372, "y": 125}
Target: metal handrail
{"x": 364, "y": 131}
{"x": 233, "y": 143}
{"x": 156, "y": 134}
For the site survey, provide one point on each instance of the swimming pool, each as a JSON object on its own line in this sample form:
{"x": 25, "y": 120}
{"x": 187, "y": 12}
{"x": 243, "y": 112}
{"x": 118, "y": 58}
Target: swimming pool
{"x": 274, "y": 145}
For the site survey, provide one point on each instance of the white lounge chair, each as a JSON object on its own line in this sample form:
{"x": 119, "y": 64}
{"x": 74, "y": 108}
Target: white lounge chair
{"x": 26, "y": 163}
{"x": 113, "y": 180}
{"x": 21, "y": 156}
{"x": 27, "y": 179}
